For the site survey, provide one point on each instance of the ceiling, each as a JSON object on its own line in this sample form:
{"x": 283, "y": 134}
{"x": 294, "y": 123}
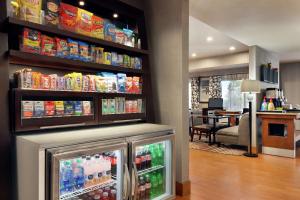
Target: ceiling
{"x": 270, "y": 24}
{"x": 199, "y": 31}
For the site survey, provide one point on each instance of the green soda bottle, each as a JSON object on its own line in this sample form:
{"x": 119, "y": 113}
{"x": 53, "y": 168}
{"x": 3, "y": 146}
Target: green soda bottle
{"x": 153, "y": 155}
{"x": 160, "y": 154}
{"x": 160, "y": 181}
{"x": 154, "y": 185}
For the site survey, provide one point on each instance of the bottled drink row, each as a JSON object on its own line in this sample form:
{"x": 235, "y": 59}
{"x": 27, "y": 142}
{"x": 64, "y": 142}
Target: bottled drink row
{"x": 106, "y": 193}
{"x": 86, "y": 171}
{"x": 149, "y": 156}
{"x": 151, "y": 185}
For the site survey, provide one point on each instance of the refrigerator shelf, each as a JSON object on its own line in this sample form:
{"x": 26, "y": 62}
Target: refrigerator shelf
{"x": 68, "y": 196}
{"x": 145, "y": 171}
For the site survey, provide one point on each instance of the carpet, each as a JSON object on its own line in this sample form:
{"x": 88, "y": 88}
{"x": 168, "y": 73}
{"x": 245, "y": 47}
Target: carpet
{"x": 201, "y": 145}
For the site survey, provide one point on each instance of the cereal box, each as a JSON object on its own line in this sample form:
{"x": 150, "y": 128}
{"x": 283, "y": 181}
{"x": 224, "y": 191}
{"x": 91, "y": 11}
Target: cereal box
{"x": 39, "y": 108}
{"x": 27, "y": 108}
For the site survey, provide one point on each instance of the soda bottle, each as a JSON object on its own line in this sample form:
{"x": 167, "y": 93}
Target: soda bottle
{"x": 160, "y": 186}
{"x": 147, "y": 187}
{"x": 67, "y": 177}
{"x": 153, "y": 155}
{"x": 162, "y": 154}
{"x": 142, "y": 188}
{"x": 138, "y": 161}
{"x": 159, "y": 154}
{"x": 154, "y": 185}
{"x": 78, "y": 173}
{"x": 113, "y": 164}
{"x": 143, "y": 159}
{"x": 105, "y": 196}
{"x": 148, "y": 158}
{"x": 113, "y": 195}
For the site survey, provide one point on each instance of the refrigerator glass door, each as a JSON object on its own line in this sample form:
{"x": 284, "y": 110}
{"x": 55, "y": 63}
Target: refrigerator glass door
{"x": 89, "y": 172}
{"x": 153, "y": 169}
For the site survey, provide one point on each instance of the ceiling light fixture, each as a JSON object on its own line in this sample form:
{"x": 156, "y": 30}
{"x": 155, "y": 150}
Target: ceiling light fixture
{"x": 81, "y": 3}
{"x": 115, "y": 15}
{"x": 209, "y": 39}
{"x": 232, "y": 48}
{"x": 194, "y": 55}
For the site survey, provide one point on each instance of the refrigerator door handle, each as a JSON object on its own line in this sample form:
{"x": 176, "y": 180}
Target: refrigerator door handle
{"x": 127, "y": 179}
{"x": 136, "y": 181}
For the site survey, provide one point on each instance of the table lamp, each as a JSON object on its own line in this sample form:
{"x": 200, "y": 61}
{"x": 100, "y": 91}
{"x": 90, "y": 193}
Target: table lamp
{"x": 250, "y": 87}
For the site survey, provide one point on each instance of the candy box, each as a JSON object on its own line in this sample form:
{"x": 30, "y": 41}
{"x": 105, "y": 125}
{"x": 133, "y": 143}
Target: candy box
{"x": 62, "y": 48}
{"x": 111, "y": 106}
{"x": 49, "y": 108}
{"x": 120, "y": 36}
{"x": 104, "y": 107}
{"x": 78, "y": 108}
{"x": 45, "y": 82}
{"x": 86, "y": 105}
{"x": 51, "y": 8}
{"x": 31, "y": 41}
{"x": 83, "y": 51}
{"x": 84, "y": 22}
{"x": 59, "y": 107}
{"x": 69, "y": 108}
{"x": 114, "y": 59}
{"x": 67, "y": 17}
{"x": 24, "y": 78}
{"x": 97, "y": 27}
{"x": 48, "y": 46}
{"x": 27, "y": 108}
{"x": 107, "y": 58}
{"x": 121, "y": 80}
{"x": 36, "y": 80}
{"x": 109, "y": 31}
{"x": 39, "y": 108}
{"x": 73, "y": 49}
{"x": 30, "y": 10}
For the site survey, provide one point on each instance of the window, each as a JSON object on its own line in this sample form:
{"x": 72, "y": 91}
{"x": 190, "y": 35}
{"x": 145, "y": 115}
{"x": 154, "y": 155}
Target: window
{"x": 233, "y": 99}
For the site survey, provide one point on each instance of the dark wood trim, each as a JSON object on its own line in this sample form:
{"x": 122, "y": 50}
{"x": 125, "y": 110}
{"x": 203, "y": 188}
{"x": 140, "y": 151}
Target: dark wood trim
{"x": 183, "y": 189}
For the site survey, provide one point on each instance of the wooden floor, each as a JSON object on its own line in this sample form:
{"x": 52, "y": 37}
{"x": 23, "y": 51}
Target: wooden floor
{"x": 216, "y": 177}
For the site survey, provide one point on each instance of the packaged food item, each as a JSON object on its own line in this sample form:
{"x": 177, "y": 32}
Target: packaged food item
{"x": 126, "y": 61}
{"x": 31, "y": 41}
{"x": 92, "y": 53}
{"x": 109, "y": 31}
{"x": 73, "y": 49}
{"x": 27, "y": 108}
{"x": 59, "y": 107}
{"x": 128, "y": 106}
{"x": 99, "y": 55}
{"x": 24, "y": 78}
{"x": 101, "y": 84}
{"x": 137, "y": 63}
{"x": 49, "y": 108}
{"x": 67, "y": 17}
{"x": 134, "y": 106}
{"x": 104, "y": 107}
{"x": 36, "y": 80}
{"x": 53, "y": 81}
{"x": 84, "y": 22}
{"x": 132, "y": 62}
{"x": 62, "y": 48}
{"x": 120, "y": 105}
{"x": 107, "y": 58}
{"x": 111, "y": 81}
{"x": 85, "y": 83}
{"x": 30, "y": 10}
{"x": 92, "y": 83}
{"x": 120, "y": 60}
{"x": 48, "y": 46}
{"x": 39, "y": 108}
{"x": 69, "y": 108}
{"x": 78, "y": 108}
{"x": 128, "y": 84}
{"x": 120, "y": 37}
{"x": 77, "y": 79}
{"x": 114, "y": 59}
{"x": 60, "y": 83}
{"x": 136, "y": 85}
{"x": 83, "y": 51}
{"x": 51, "y": 8}
{"x": 69, "y": 83}
{"x": 121, "y": 80}
{"x": 86, "y": 105}
{"x": 97, "y": 27}
{"x": 45, "y": 82}
{"x": 140, "y": 105}
{"x": 112, "y": 106}
{"x": 128, "y": 35}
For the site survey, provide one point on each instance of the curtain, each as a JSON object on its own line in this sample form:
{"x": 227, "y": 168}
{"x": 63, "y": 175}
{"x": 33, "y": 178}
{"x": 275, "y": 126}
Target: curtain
{"x": 215, "y": 89}
{"x": 195, "y": 83}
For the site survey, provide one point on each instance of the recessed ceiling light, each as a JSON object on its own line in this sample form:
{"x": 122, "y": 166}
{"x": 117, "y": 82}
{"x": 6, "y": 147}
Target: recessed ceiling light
{"x": 81, "y": 3}
{"x": 209, "y": 39}
{"x": 194, "y": 55}
{"x": 115, "y": 15}
{"x": 232, "y": 48}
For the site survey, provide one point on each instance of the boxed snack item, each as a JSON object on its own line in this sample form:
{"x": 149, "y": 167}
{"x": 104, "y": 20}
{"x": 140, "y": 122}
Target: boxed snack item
{"x": 62, "y": 48}
{"x": 132, "y": 62}
{"x": 36, "y": 80}
{"x": 49, "y": 108}
{"x": 84, "y": 22}
{"x": 84, "y": 51}
{"x": 135, "y": 84}
{"x": 104, "y": 107}
{"x": 53, "y": 81}
{"x": 134, "y": 106}
{"x": 126, "y": 61}
{"x": 67, "y": 17}
{"x": 68, "y": 82}
{"x": 31, "y": 41}
{"x": 51, "y": 8}
{"x": 92, "y": 83}
{"x": 114, "y": 59}
{"x": 60, "y": 83}
{"x": 85, "y": 83}
{"x": 129, "y": 37}
{"x": 30, "y": 10}
{"x": 73, "y": 49}
{"x": 86, "y": 105}
{"x": 24, "y": 78}
{"x": 128, "y": 84}
{"x": 39, "y": 108}
{"x": 78, "y": 108}
{"x": 59, "y": 107}
{"x": 69, "y": 107}
{"x": 121, "y": 80}
{"x": 27, "y": 108}
{"x": 45, "y": 82}
{"x": 109, "y": 31}
{"x": 101, "y": 84}
{"x": 48, "y": 46}
{"x": 120, "y": 60}
{"x": 97, "y": 27}
{"x": 111, "y": 106}
{"x": 128, "y": 106}
{"x": 99, "y": 55}
{"x": 107, "y": 58}
{"x": 77, "y": 81}
{"x": 120, "y": 36}
{"x": 137, "y": 63}
{"x": 111, "y": 81}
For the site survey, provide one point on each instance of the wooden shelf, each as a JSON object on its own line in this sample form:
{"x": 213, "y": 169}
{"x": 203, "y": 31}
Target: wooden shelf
{"x": 121, "y": 117}
{"x": 65, "y": 33}
{"x": 23, "y": 58}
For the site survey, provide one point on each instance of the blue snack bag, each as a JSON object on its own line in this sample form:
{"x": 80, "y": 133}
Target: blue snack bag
{"x": 114, "y": 59}
{"x": 74, "y": 49}
{"x": 69, "y": 107}
{"x": 83, "y": 51}
{"x": 78, "y": 107}
{"x": 121, "y": 86}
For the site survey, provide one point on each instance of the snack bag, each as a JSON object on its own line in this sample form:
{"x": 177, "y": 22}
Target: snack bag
{"x": 24, "y": 78}
{"x": 60, "y": 83}
{"x": 45, "y": 82}
{"x": 120, "y": 60}
{"x": 136, "y": 85}
{"x": 30, "y": 10}
{"x": 131, "y": 62}
{"x": 128, "y": 35}
{"x": 104, "y": 107}
{"x": 86, "y": 105}
{"x": 97, "y": 27}
{"x": 67, "y": 17}
{"x": 27, "y": 108}
{"x": 39, "y": 108}
{"x": 111, "y": 81}
{"x": 77, "y": 78}
{"x": 128, "y": 106}
{"x": 78, "y": 108}
{"x": 53, "y": 81}
{"x": 107, "y": 58}
{"x": 126, "y": 61}
{"x": 85, "y": 83}
{"x": 120, "y": 36}
{"x": 51, "y": 8}
{"x": 114, "y": 58}
{"x": 137, "y": 63}
{"x": 49, "y": 108}
{"x": 129, "y": 85}
{"x": 62, "y": 48}
{"x": 59, "y": 107}
{"x": 74, "y": 49}
{"x": 135, "y": 106}
{"x": 121, "y": 80}
{"x": 99, "y": 55}
{"x": 69, "y": 108}
{"x": 36, "y": 80}
{"x": 92, "y": 53}
{"x": 84, "y": 22}
{"x": 68, "y": 82}
{"x": 92, "y": 83}
{"x": 101, "y": 84}
{"x": 111, "y": 106}
{"x": 48, "y": 46}
{"x": 83, "y": 51}
{"x": 109, "y": 31}
{"x": 31, "y": 41}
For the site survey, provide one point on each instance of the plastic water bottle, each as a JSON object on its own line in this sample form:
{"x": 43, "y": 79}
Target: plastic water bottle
{"x": 78, "y": 173}
{"x": 67, "y": 177}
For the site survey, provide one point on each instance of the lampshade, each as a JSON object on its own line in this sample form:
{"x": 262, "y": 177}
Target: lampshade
{"x": 251, "y": 86}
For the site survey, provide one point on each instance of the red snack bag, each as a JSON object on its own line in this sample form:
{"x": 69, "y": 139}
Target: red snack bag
{"x": 84, "y": 22}
{"x": 135, "y": 84}
{"x": 45, "y": 82}
{"x": 128, "y": 84}
{"x": 49, "y": 108}
{"x": 31, "y": 41}
{"x": 67, "y": 17}
{"x": 48, "y": 46}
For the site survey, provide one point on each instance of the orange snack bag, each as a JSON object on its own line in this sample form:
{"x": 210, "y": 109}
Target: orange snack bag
{"x": 36, "y": 80}
{"x": 97, "y": 27}
{"x": 84, "y": 22}
{"x": 67, "y": 17}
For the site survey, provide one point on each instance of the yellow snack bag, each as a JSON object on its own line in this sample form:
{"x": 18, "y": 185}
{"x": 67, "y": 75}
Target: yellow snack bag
{"x": 30, "y": 10}
{"x": 84, "y": 22}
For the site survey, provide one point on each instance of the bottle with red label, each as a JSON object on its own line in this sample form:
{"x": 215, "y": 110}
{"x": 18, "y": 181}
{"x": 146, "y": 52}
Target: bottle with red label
{"x": 147, "y": 187}
{"x": 148, "y": 157}
{"x": 142, "y": 188}
{"x": 113, "y": 164}
{"x": 143, "y": 159}
{"x": 138, "y": 160}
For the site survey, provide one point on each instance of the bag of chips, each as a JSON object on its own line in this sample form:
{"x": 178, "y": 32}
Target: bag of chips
{"x": 101, "y": 84}
{"x": 49, "y": 108}
{"x": 104, "y": 107}
{"x": 51, "y": 8}
{"x": 24, "y": 78}
{"x": 92, "y": 83}
{"x": 60, "y": 83}
{"x": 53, "y": 81}
{"x": 62, "y": 48}
{"x": 107, "y": 58}
{"x": 84, "y": 22}
{"x": 78, "y": 108}
{"x": 136, "y": 85}
{"x": 112, "y": 106}
{"x": 129, "y": 85}
{"x": 114, "y": 59}
{"x": 30, "y": 10}
{"x": 97, "y": 27}
{"x": 67, "y": 17}
{"x": 120, "y": 36}
{"x": 59, "y": 107}
{"x": 121, "y": 79}
{"x": 48, "y": 46}
{"x": 83, "y": 51}
{"x": 36, "y": 80}
{"x": 39, "y": 108}
{"x": 74, "y": 49}
{"x": 69, "y": 108}
{"x": 109, "y": 31}
{"x": 85, "y": 83}
{"x": 99, "y": 55}
{"x": 31, "y": 41}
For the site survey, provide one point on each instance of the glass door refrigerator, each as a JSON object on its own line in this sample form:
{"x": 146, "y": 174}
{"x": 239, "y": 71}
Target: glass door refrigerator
{"x": 152, "y": 170}
{"x": 88, "y": 172}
